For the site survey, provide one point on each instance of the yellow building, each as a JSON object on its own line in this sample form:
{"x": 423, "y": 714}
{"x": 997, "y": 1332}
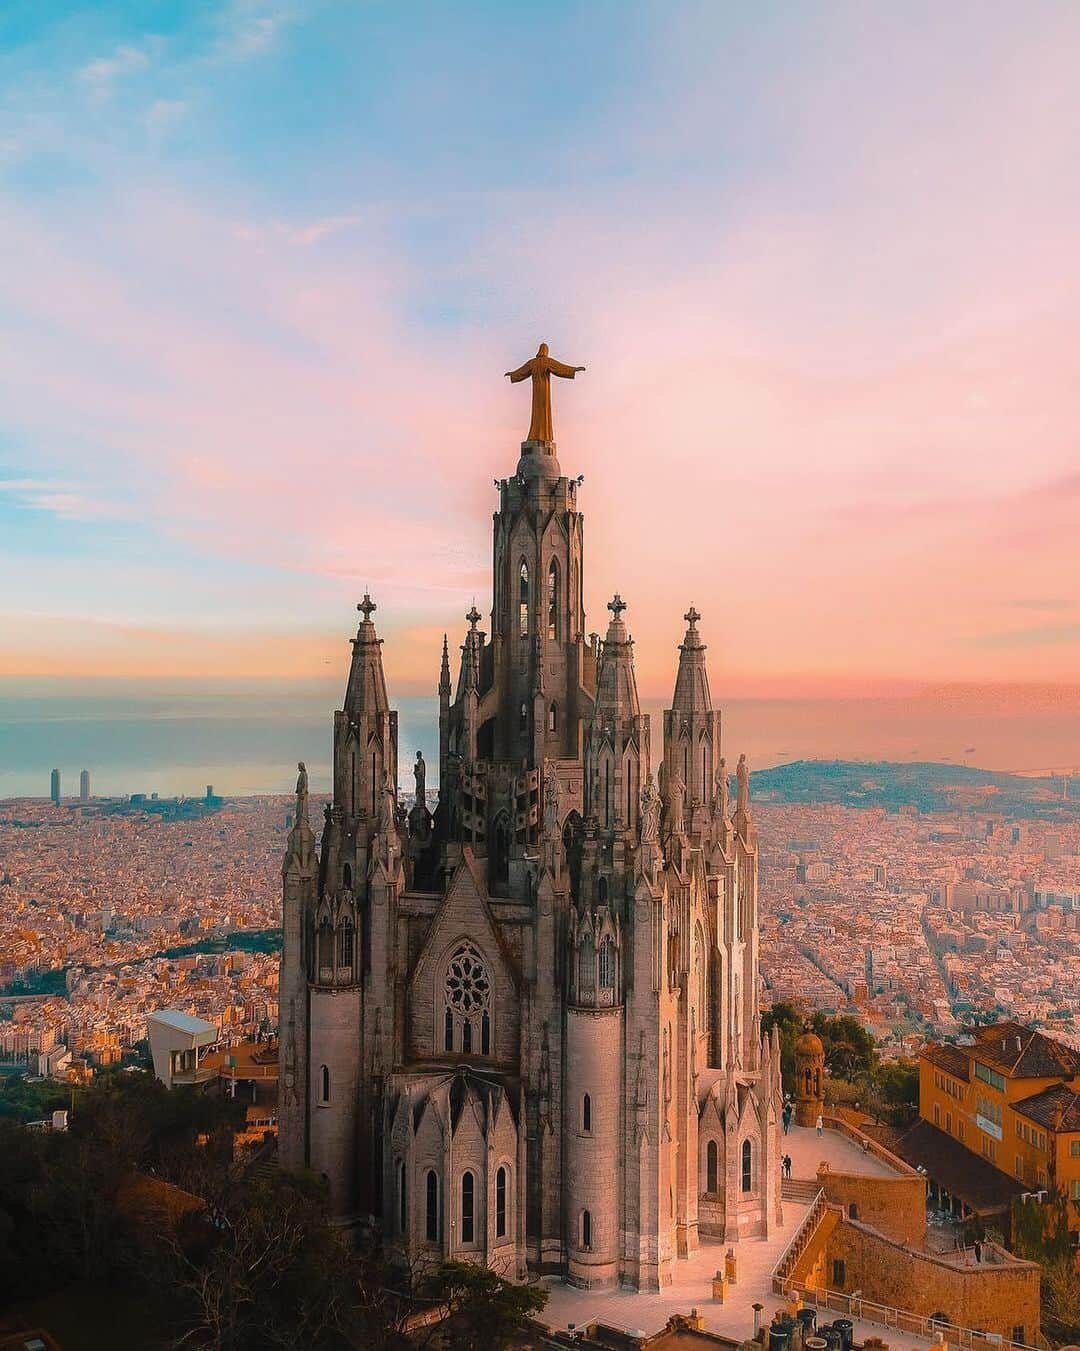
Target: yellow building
{"x": 1011, "y": 1101}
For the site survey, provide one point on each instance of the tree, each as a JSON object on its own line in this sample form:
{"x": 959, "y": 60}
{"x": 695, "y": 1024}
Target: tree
{"x": 1061, "y": 1291}
{"x": 789, "y": 1021}
{"x": 849, "y": 1048}
{"x": 485, "y": 1310}
{"x": 259, "y": 1266}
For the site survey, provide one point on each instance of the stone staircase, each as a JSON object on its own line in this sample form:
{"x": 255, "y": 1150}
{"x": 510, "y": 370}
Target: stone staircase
{"x": 799, "y": 1189}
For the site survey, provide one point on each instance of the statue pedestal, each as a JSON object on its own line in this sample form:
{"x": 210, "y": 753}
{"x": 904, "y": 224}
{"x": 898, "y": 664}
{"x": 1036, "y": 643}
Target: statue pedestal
{"x": 539, "y": 460}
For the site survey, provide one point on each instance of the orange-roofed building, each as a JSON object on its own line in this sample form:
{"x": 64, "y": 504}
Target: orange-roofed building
{"x": 1012, "y": 1099}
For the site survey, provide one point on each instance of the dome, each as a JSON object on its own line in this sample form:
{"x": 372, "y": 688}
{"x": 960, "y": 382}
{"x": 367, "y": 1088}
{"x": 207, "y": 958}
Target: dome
{"x": 809, "y": 1044}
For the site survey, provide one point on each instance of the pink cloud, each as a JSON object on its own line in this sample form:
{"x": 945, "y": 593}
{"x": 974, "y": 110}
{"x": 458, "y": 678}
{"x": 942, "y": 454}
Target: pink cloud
{"x": 842, "y": 421}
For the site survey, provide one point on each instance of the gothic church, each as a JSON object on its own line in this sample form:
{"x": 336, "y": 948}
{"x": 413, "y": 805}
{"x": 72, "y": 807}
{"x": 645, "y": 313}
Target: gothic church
{"x": 523, "y": 1030}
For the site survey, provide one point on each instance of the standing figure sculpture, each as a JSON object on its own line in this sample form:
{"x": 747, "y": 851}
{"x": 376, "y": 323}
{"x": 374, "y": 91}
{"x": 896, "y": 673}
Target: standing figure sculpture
{"x": 301, "y": 791}
{"x": 722, "y": 798}
{"x": 551, "y": 803}
{"x": 650, "y": 812}
{"x": 540, "y": 369}
{"x": 387, "y": 819}
{"x": 676, "y": 798}
{"x": 742, "y": 782}
{"x": 420, "y": 775}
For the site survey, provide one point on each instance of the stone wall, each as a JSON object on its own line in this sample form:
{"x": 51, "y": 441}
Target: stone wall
{"x": 895, "y": 1205}
{"x": 997, "y": 1296}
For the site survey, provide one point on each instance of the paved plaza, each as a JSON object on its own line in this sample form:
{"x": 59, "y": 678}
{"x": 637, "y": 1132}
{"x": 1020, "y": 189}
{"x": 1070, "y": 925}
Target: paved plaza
{"x": 691, "y": 1287}
{"x": 808, "y": 1151}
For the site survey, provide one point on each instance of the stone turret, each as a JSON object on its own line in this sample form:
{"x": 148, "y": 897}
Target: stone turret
{"x": 692, "y": 737}
{"x": 617, "y": 748}
{"x": 299, "y": 874}
{"x": 809, "y": 1078}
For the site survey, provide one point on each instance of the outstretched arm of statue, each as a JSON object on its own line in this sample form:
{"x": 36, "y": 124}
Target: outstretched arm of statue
{"x": 522, "y": 373}
{"x": 557, "y": 368}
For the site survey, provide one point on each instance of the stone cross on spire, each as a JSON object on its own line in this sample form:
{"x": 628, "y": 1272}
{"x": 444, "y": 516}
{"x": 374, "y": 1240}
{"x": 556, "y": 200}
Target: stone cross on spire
{"x": 616, "y": 605}
{"x": 367, "y": 607}
{"x": 692, "y": 617}
{"x": 473, "y": 616}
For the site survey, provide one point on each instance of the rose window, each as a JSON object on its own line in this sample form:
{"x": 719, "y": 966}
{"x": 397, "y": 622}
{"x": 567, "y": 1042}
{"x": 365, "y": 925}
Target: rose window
{"x": 468, "y": 986}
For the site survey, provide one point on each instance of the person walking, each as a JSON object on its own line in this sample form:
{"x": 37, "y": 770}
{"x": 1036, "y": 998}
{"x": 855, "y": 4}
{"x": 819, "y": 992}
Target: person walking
{"x": 819, "y": 1124}
{"x": 787, "y": 1117}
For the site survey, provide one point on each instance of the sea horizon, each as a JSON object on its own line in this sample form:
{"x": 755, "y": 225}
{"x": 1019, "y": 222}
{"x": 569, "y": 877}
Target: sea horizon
{"x": 245, "y": 739}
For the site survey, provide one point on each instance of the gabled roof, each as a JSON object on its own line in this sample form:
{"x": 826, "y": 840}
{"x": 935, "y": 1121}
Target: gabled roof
{"x": 1023, "y": 1053}
{"x": 1056, "y": 1108}
{"x": 953, "y": 1060}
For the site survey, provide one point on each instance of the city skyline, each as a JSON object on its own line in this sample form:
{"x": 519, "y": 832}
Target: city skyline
{"x": 816, "y": 266}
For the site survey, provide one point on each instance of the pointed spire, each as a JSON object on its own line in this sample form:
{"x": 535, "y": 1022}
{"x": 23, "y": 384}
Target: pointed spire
{"x": 444, "y": 670}
{"x": 616, "y": 685}
{"x": 469, "y": 678}
{"x": 692, "y": 682}
{"x": 366, "y": 690}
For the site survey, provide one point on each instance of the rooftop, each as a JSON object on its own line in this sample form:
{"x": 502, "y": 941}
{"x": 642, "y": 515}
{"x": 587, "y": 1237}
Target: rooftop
{"x": 960, "y": 1171}
{"x": 1023, "y": 1053}
{"x": 1056, "y": 1108}
{"x": 182, "y": 1022}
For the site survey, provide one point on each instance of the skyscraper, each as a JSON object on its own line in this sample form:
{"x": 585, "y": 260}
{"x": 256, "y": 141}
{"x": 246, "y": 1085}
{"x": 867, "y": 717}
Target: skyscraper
{"x": 54, "y": 787}
{"x": 84, "y": 786}
{"x": 524, "y": 1031}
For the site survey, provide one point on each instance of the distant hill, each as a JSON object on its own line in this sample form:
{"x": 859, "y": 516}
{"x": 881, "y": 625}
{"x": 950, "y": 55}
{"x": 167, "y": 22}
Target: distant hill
{"x": 927, "y": 786}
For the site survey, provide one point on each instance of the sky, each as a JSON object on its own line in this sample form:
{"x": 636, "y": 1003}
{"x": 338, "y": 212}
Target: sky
{"x": 264, "y": 264}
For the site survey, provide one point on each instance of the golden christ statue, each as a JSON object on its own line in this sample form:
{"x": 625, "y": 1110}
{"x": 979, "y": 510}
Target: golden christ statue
{"x": 541, "y": 368}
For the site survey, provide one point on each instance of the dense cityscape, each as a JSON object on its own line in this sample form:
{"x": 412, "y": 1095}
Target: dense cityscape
{"x": 913, "y": 921}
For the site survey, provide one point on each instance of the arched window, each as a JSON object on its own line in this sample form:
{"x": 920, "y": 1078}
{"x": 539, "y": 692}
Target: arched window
{"x": 523, "y": 599}
{"x": 500, "y": 1203}
{"x": 346, "y": 945}
{"x": 402, "y": 1198}
{"x": 468, "y": 1189}
{"x": 467, "y": 993}
{"x": 485, "y": 1035}
{"x": 747, "y": 1166}
{"x": 326, "y": 948}
{"x": 587, "y": 970}
{"x": 346, "y": 877}
{"x": 553, "y": 718}
{"x": 553, "y": 600}
{"x": 431, "y": 1186}
{"x": 711, "y": 1167}
{"x": 701, "y": 956}
{"x": 324, "y": 1084}
{"x": 606, "y": 965}
{"x": 586, "y": 1229}
{"x": 586, "y": 1114}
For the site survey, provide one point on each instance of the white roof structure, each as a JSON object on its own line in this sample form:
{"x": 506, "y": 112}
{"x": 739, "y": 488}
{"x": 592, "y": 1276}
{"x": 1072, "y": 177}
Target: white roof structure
{"x": 175, "y": 1042}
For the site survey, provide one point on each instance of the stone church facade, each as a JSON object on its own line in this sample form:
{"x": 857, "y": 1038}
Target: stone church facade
{"x": 523, "y": 1030}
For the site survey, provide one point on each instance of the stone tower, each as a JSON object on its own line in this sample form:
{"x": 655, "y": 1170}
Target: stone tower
{"x": 525, "y": 1031}
{"x": 809, "y": 1074}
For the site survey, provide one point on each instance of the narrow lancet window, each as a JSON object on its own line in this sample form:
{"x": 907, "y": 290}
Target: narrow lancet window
{"x": 523, "y": 599}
